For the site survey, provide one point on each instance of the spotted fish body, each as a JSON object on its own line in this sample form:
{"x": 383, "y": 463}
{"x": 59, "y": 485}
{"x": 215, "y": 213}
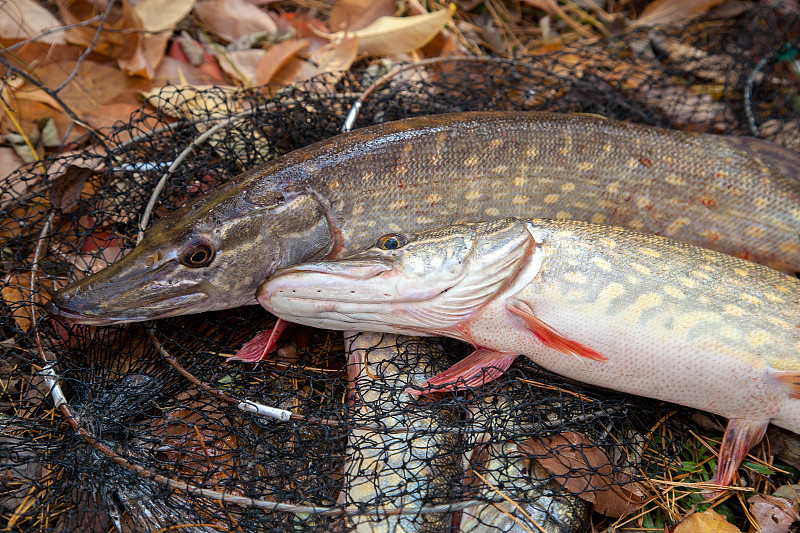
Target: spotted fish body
{"x": 604, "y": 305}
{"x": 339, "y": 195}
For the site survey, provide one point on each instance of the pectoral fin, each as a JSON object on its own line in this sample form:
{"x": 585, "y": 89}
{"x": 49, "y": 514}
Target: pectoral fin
{"x": 792, "y": 379}
{"x": 548, "y": 335}
{"x": 481, "y": 366}
{"x": 740, "y": 435}
{"x": 259, "y": 346}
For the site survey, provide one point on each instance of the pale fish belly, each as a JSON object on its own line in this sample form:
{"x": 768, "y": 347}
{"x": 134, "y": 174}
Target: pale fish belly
{"x": 643, "y": 359}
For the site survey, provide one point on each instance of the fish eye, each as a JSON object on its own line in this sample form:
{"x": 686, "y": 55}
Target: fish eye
{"x": 392, "y": 241}
{"x": 198, "y": 255}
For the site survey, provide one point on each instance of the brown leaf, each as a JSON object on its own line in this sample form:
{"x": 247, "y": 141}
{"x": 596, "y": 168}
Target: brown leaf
{"x": 242, "y": 65}
{"x": 66, "y": 189}
{"x": 232, "y": 19}
{"x": 673, "y": 12}
{"x": 336, "y": 56}
{"x": 618, "y": 500}
{"x": 277, "y": 57}
{"x": 149, "y": 52}
{"x": 115, "y": 41}
{"x": 578, "y": 466}
{"x": 24, "y": 19}
{"x": 773, "y": 514}
{"x": 158, "y": 16}
{"x": 707, "y": 522}
{"x": 586, "y": 471}
{"x": 95, "y": 85}
{"x": 354, "y": 15}
{"x": 295, "y": 71}
{"x": 392, "y": 35}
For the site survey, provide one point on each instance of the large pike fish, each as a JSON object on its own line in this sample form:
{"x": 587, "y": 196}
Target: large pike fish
{"x": 603, "y": 305}
{"x": 339, "y": 195}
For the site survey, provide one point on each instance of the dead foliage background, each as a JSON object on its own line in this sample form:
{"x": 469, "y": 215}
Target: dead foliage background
{"x": 100, "y": 102}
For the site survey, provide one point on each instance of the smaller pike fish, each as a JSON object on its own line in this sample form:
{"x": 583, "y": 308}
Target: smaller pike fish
{"x": 603, "y": 305}
{"x": 392, "y": 470}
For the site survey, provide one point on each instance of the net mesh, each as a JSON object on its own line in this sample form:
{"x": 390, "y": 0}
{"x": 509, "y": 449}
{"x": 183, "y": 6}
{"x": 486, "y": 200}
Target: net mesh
{"x": 158, "y": 431}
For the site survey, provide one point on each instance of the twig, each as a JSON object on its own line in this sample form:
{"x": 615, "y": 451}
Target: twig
{"x": 100, "y": 138}
{"x": 89, "y": 48}
{"x": 60, "y": 29}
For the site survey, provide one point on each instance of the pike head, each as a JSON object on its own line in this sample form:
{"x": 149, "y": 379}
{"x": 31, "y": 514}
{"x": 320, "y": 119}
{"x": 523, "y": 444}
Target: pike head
{"x": 208, "y": 255}
{"x": 423, "y": 284}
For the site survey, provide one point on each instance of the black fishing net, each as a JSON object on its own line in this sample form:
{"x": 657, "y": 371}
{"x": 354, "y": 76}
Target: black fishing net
{"x": 152, "y": 429}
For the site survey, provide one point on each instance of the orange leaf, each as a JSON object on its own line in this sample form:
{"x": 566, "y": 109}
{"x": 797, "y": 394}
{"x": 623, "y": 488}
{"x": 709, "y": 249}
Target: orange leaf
{"x": 707, "y": 522}
{"x": 357, "y": 14}
{"x": 277, "y": 57}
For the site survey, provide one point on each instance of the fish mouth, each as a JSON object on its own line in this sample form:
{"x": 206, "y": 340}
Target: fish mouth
{"x": 353, "y": 270}
{"x": 176, "y": 305}
{"x": 345, "y": 282}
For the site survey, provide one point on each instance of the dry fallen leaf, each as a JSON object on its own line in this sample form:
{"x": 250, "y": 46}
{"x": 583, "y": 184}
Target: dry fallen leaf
{"x": 232, "y": 19}
{"x": 707, "y": 522}
{"x": 277, "y": 57}
{"x": 242, "y": 65}
{"x": 67, "y": 188}
{"x": 148, "y": 55}
{"x": 773, "y": 514}
{"x": 25, "y": 19}
{"x": 673, "y": 12}
{"x": 116, "y": 41}
{"x": 354, "y": 15}
{"x": 158, "y": 16}
{"x": 586, "y": 471}
{"x": 336, "y": 57}
{"x": 9, "y": 162}
{"x": 393, "y": 35}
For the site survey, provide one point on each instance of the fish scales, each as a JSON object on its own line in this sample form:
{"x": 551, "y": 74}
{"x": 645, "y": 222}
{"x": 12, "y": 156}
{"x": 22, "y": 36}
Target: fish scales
{"x": 608, "y": 306}
{"x": 337, "y": 196}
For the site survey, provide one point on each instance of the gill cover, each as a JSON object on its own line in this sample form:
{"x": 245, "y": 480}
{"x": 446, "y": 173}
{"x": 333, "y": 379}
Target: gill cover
{"x": 193, "y": 259}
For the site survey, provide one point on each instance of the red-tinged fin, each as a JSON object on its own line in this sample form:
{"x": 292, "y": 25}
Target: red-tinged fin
{"x": 480, "y": 367}
{"x": 548, "y": 335}
{"x": 792, "y": 379}
{"x": 259, "y": 346}
{"x": 740, "y": 435}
